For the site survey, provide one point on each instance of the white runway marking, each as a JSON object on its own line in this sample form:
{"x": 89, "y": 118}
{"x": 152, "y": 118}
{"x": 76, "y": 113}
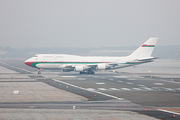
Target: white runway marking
{"x": 147, "y": 88}
{"x": 81, "y": 78}
{"x": 130, "y": 83}
{"x": 136, "y": 88}
{"x": 158, "y": 83}
{"x": 131, "y": 79}
{"x": 155, "y": 87}
{"x": 125, "y": 88}
{"x": 177, "y": 88}
{"x": 119, "y": 81}
{"x": 141, "y": 77}
{"x": 67, "y": 76}
{"x": 140, "y": 85}
{"x": 171, "y": 81}
{"x": 102, "y": 89}
{"x": 168, "y": 111}
{"x": 90, "y": 89}
{"x": 113, "y": 88}
{"x": 120, "y": 77}
{"x": 100, "y": 83}
{"x": 168, "y": 89}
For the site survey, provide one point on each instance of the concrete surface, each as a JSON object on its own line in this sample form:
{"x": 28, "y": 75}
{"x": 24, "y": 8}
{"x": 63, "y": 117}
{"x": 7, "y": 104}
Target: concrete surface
{"x": 30, "y": 90}
{"x": 58, "y": 114}
{"x": 133, "y": 84}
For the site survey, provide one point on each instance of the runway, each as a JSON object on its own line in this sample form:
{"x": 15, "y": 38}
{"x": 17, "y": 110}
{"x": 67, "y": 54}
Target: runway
{"x": 108, "y": 90}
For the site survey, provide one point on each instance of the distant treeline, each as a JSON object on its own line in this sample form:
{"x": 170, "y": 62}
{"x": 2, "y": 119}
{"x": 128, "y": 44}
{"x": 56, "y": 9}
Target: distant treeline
{"x": 164, "y": 52}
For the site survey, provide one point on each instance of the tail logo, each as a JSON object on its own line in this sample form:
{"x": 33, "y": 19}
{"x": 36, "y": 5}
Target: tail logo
{"x": 144, "y": 45}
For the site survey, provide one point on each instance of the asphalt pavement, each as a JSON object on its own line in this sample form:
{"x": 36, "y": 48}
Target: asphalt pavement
{"x": 111, "y": 90}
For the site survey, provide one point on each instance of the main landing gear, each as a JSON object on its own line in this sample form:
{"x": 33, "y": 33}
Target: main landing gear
{"x": 87, "y": 72}
{"x": 39, "y": 72}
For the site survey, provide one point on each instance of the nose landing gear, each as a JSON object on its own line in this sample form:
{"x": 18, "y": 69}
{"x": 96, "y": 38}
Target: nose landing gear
{"x": 39, "y": 72}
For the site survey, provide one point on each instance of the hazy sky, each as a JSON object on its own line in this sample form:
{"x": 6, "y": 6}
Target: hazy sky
{"x": 85, "y": 23}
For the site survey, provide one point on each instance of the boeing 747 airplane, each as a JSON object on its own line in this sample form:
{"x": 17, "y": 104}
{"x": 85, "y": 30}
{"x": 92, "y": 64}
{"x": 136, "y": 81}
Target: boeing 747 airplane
{"x": 87, "y": 64}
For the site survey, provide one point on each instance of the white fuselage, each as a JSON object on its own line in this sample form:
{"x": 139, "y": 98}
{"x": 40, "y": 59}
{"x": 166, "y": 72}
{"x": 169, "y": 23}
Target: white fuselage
{"x": 62, "y": 61}
{"x": 88, "y": 64}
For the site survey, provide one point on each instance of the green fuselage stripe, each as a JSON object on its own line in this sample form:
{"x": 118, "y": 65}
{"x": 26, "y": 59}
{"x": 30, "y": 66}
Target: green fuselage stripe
{"x": 130, "y": 63}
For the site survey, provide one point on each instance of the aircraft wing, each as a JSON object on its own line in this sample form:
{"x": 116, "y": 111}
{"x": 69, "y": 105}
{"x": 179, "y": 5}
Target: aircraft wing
{"x": 113, "y": 64}
{"x": 106, "y": 65}
{"x": 91, "y": 65}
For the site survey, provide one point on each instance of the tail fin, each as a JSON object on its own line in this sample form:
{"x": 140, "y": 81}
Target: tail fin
{"x": 146, "y": 49}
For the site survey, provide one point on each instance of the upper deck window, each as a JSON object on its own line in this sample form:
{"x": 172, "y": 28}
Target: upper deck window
{"x": 48, "y": 56}
{"x": 59, "y": 56}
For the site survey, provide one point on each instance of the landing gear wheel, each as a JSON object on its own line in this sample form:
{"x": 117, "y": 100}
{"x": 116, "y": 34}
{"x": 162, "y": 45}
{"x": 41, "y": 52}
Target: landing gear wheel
{"x": 87, "y": 72}
{"x": 91, "y": 72}
{"x": 81, "y": 72}
{"x": 39, "y": 72}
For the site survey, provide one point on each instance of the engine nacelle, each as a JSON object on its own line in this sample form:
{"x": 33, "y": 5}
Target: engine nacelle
{"x": 101, "y": 66}
{"x": 79, "y": 68}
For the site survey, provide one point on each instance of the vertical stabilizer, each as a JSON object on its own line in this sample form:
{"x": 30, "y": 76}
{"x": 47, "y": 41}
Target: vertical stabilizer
{"x": 146, "y": 49}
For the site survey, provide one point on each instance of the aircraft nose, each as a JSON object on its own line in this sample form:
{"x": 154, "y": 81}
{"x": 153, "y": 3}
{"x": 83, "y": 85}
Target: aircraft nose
{"x": 26, "y": 62}
{"x": 29, "y": 63}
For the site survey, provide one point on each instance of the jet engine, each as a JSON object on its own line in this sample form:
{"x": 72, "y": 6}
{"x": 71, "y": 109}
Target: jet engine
{"x": 101, "y": 66}
{"x": 78, "y": 68}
